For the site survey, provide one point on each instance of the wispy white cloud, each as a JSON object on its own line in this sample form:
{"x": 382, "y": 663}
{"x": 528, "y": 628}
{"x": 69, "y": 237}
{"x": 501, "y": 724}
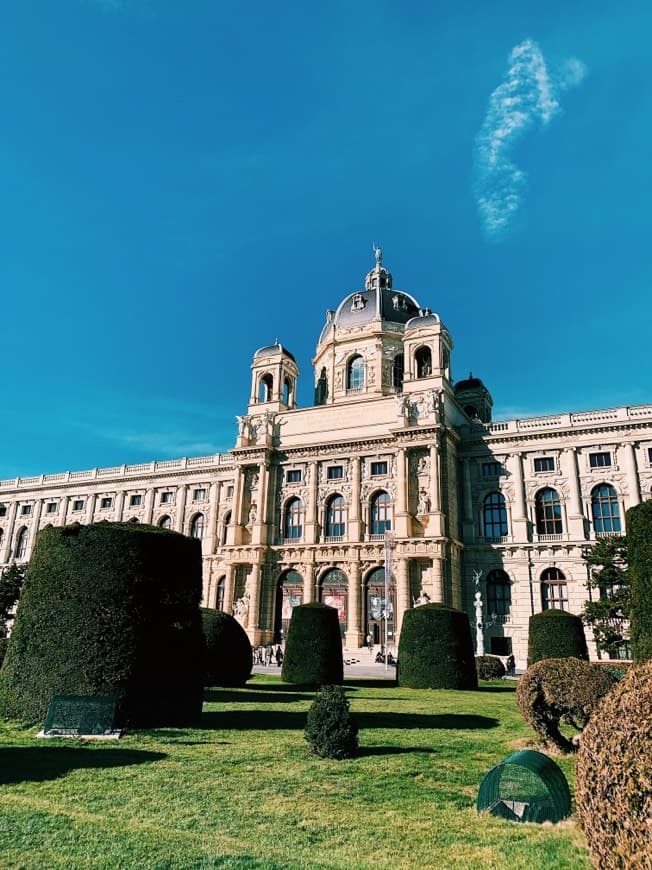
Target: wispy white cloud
{"x": 528, "y": 97}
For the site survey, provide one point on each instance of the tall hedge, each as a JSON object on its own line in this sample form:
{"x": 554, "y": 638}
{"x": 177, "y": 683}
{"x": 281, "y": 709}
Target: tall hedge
{"x": 639, "y": 550}
{"x": 228, "y": 656}
{"x": 555, "y": 634}
{"x": 613, "y": 778}
{"x": 313, "y": 650}
{"x": 109, "y": 609}
{"x": 435, "y": 649}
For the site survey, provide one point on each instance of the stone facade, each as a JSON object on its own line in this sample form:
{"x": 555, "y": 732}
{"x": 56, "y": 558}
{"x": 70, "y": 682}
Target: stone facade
{"x": 298, "y": 509}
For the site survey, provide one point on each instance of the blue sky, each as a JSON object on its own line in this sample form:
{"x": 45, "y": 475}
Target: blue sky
{"x": 183, "y": 182}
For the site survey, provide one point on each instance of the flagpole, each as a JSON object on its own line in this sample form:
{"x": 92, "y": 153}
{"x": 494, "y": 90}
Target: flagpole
{"x": 390, "y": 543}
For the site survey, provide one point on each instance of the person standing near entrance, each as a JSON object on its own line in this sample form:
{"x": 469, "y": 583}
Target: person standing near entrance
{"x": 279, "y": 656}
{"x": 369, "y": 644}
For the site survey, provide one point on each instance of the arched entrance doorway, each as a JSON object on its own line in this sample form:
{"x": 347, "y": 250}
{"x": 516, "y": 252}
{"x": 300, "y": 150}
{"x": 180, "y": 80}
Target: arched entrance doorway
{"x": 289, "y": 594}
{"x": 375, "y": 608}
{"x": 334, "y": 592}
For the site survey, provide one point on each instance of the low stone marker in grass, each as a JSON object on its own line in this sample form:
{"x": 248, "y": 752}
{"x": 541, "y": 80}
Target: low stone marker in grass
{"x": 87, "y": 716}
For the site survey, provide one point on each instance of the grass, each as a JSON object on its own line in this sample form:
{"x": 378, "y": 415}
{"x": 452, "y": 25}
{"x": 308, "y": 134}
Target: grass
{"x": 243, "y": 792}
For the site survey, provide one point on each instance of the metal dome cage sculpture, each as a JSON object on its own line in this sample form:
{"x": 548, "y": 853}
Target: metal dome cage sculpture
{"x": 526, "y": 787}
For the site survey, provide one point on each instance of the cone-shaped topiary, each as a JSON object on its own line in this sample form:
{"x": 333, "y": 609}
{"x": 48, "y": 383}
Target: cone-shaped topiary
{"x": 435, "y": 649}
{"x": 489, "y": 668}
{"x": 109, "y": 609}
{"x": 613, "y": 778}
{"x": 330, "y": 730}
{"x": 639, "y": 551}
{"x": 313, "y": 650}
{"x": 555, "y": 634}
{"x": 229, "y": 657}
{"x": 556, "y": 690}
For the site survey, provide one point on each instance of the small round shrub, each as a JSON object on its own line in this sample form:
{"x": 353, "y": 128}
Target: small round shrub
{"x": 489, "y": 668}
{"x": 556, "y": 690}
{"x": 639, "y": 552}
{"x": 109, "y": 609}
{"x": 330, "y": 730}
{"x": 435, "y": 649}
{"x": 613, "y": 779}
{"x": 555, "y": 634}
{"x": 228, "y": 656}
{"x": 313, "y": 650}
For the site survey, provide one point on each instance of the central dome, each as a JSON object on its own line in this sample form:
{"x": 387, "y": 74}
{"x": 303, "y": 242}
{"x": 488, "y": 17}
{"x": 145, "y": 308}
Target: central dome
{"x": 377, "y": 302}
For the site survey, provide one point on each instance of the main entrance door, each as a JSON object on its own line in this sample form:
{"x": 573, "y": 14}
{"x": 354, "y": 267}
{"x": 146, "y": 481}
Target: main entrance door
{"x": 334, "y": 589}
{"x": 289, "y": 594}
{"x": 376, "y": 608}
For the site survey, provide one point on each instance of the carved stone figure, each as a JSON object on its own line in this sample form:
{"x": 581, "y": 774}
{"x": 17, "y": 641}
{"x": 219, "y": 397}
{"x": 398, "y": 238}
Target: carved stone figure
{"x": 423, "y": 506}
{"x": 241, "y": 609}
{"x": 423, "y": 598}
{"x": 479, "y": 632}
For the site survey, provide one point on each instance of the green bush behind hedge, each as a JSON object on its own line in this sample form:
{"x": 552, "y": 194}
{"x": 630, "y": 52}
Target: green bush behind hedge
{"x": 555, "y": 634}
{"x": 639, "y": 550}
{"x": 313, "y": 650}
{"x": 109, "y": 609}
{"x": 228, "y": 656}
{"x": 435, "y": 649}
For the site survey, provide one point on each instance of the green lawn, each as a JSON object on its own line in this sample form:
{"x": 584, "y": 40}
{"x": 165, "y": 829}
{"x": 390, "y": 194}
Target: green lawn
{"x": 243, "y": 792}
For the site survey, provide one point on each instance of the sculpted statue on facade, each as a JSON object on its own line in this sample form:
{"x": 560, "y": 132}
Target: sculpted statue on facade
{"x": 423, "y": 506}
{"x": 423, "y": 598}
{"x": 241, "y": 609}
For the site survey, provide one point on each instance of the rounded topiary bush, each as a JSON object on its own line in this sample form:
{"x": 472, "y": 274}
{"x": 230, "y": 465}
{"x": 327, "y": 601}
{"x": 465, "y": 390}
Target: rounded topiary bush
{"x": 613, "y": 779}
{"x": 489, "y": 668}
{"x": 313, "y": 650}
{"x": 435, "y": 649}
{"x": 330, "y": 730}
{"x": 561, "y": 690}
{"x": 228, "y": 658}
{"x": 639, "y": 551}
{"x": 555, "y": 634}
{"x": 109, "y": 609}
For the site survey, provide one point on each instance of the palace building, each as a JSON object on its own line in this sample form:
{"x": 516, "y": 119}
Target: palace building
{"x": 299, "y": 509}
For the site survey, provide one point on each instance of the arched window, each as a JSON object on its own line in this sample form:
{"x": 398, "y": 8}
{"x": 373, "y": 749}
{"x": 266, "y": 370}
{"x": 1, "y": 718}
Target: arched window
{"x": 554, "y": 591}
{"x": 334, "y": 592}
{"x": 219, "y": 600}
{"x": 165, "y": 522}
{"x": 321, "y": 388}
{"x": 499, "y": 593}
{"x": 397, "y": 372}
{"x": 547, "y": 509}
{"x": 197, "y": 526}
{"x": 355, "y": 373}
{"x": 225, "y": 528}
{"x": 494, "y": 515}
{"x": 423, "y": 360}
{"x": 289, "y": 594}
{"x": 335, "y": 516}
{"x": 604, "y": 507}
{"x": 293, "y": 528}
{"x": 381, "y": 513}
{"x": 378, "y": 607}
{"x": 20, "y": 549}
{"x": 287, "y": 391}
{"x": 266, "y": 388}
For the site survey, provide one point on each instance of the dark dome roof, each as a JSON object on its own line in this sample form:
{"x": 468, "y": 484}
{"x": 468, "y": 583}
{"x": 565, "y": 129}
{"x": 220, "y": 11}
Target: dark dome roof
{"x": 424, "y": 318}
{"x": 276, "y": 349}
{"x": 469, "y": 383}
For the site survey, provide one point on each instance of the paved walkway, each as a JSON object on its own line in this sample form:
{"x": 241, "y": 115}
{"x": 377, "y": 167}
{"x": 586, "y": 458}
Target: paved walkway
{"x": 357, "y": 663}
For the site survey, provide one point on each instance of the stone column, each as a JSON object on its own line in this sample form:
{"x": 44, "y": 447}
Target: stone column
{"x": 229, "y": 583}
{"x": 10, "y": 532}
{"x": 312, "y": 524}
{"x": 238, "y": 501}
{"x": 254, "y": 601}
{"x": 520, "y": 527}
{"x": 467, "y": 512}
{"x": 403, "y": 602}
{"x": 182, "y": 493}
{"x": 629, "y": 457}
{"x": 63, "y": 509}
{"x": 402, "y": 524}
{"x": 353, "y": 637}
{"x": 149, "y": 505}
{"x": 354, "y": 512}
{"x": 308, "y": 583}
{"x": 119, "y": 505}
{"x": 36, "y": 518}
{"x": 435, "y": 524}
{"x": 90, "y": 508}
{"x": 211, "y": 530}
{"x": 211, "y": 596}
{"x": 574, "y": 515}
{"x": 437, "y": 581}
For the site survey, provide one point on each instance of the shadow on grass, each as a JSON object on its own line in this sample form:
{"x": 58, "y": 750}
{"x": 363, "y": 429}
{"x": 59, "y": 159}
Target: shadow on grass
{"x": 393, "y": 750}
{"x": 253, "y": 696}
{"x": 20, "y": 764}
{"x": 272, "y": 720}
{"x": 511, "y": 688}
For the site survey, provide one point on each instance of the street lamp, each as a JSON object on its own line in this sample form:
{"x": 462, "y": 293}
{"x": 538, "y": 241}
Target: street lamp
{"x": 390, "y": 543}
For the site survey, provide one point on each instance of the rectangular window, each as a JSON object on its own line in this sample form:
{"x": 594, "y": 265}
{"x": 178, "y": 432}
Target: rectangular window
{"x": 229, "y": 492}
{"x": 3, "y": 510}
{"x": 378, "y": 468}
{"x": 492, "y": 469}
{"x": 544, "y": 463}
{"x": 293, "y": 475}
{"x": 51, "y": 507}
{"x": 135, "y": 500}
{"x": 649, "y": 455}
{"x": 166, "y": 498}
{"x": 599, "y": 460}
{"x": 334, "y": 472}
{"x": 199, "y": 495}
{"x": 106, "y": 503}
{"x": 78, "y": 504}
{"x": 25, "y": 510}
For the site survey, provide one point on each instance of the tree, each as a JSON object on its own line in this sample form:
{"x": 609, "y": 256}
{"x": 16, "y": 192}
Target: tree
{"x": 607, "y": 614}
{"x": 11, "y": 582}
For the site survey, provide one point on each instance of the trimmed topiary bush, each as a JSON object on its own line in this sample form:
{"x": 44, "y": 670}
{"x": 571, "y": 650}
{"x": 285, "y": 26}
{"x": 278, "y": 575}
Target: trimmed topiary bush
{"x": 313, "y": 650}
{"x": 489, "y": 668}
{"x": 330, "y": 730}
{"x": 109, "y": 609}
{"x": 639, "y": 551}
{"x": 555, "y": 634}
{"x": 228, "y": 658}
{"x": 556, "y": 690}
{"x": 435, "y": 649}
{"x": 613, "y": 779}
